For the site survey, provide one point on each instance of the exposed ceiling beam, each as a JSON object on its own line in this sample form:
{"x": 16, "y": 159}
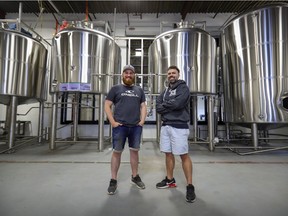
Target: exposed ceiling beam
{"x": 185, "y": 9}
{"x": 54, "y": 6}
{"x": 2, "y": 14}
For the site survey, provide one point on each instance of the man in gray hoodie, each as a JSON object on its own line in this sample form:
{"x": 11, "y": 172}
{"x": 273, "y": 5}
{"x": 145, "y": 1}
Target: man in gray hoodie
{"x": 173, "y": 105}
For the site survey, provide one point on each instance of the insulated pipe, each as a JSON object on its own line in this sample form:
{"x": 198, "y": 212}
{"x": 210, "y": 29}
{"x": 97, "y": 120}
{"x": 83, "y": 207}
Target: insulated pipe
{"x": 53, "y": 121}
{"x": 254, "y": 130}
{"x": 194, "y": 116}
{"x": 11, "y": 120}
{"x": 40, "y": 121}
{"x": 75, "y": 116}
{"x": 101, "y": 122}
{"x": 210, "y": 123}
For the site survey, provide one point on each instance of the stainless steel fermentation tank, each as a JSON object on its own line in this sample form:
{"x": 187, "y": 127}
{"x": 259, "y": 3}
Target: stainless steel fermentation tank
{"x": 255, "y": 66}
{"x": 85, "y": 56}
{"x": 23, "y": 74}
{"x": 193, "y": 51}
{"x": 83, "y": 60}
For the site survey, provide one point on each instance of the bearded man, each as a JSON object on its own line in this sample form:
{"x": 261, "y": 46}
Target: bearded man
{"x": 127, "y": 122}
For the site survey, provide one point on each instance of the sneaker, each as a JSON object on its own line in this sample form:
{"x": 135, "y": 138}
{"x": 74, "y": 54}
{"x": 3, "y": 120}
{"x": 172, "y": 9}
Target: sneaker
{"x": 190, "y": 194}
{"x": 137, "y": 181}
{"x": 112, "y": 187}
{"x": 166, "y": 183}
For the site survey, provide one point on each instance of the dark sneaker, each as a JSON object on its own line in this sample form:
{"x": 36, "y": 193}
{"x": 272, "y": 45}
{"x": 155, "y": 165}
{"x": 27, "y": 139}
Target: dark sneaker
{"x": 190, "y": 194}
{"x": 166, "y": 183}
{"x": 112, "y": 187}
{"x": 137, "y": 181}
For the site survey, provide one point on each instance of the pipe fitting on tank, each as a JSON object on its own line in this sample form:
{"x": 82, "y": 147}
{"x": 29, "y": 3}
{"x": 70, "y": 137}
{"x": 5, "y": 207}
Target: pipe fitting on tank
{"x": 168, "y": 36}
{"x": 54, "y": 83}
{"x": 186, "y": 24}
{"x": 261, "y": 116}
{"x": 72, "y": 67}
{"x": 241, "y": 117}
{"x": 191, "y": 68}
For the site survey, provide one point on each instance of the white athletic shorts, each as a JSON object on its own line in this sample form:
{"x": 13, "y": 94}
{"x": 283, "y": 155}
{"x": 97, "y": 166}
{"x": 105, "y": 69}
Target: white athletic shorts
{"x": 174, "y": 140}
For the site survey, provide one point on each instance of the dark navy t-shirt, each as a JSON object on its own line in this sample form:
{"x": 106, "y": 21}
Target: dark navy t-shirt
{"x": 127, "y": 101}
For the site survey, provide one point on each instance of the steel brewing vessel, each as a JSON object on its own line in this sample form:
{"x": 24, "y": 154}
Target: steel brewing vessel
{"x": 84, "y": 59}
{"x": 255, "y": 67}
{"x": 23, "y": 71}
{"x": 192, "y": 50}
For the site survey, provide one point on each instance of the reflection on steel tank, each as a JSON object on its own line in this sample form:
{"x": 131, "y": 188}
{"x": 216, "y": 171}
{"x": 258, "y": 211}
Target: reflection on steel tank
{"x": 192, "y": 50}
{"x": 255, "y": 67}
{"x": 23, "y": 71}
{"x": 84, "y": 59}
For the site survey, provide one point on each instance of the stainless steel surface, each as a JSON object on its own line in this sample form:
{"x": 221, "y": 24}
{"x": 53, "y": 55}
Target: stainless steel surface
{"x": 101, "y": 122}
{"x": 22, "y": 68}
{"x": 192, "y": 50}
{"x": 195, "y": 117}
{"x": 211, "y": 123}
{"x": 254, "y": 132}
{"x": 255, "y": 62}
{"x": 52, "y": 144}
{"x": 84, "y": 56}
{"x": 11, "y": 121}
{"x": 40, "y": 122}
{"x": 158, "y": 127}
{"x": 75, "y": 111}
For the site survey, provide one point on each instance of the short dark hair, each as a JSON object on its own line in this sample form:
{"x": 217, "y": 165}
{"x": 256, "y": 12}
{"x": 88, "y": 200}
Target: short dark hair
{"x": 173, "y": 67}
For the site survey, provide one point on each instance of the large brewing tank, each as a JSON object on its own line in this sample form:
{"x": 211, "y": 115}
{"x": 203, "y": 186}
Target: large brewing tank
{"x": 22, "y": 68}
{"x": 192, "y": 50}
{"x": 255, "y": 60}
{"x": 84, "y": 59}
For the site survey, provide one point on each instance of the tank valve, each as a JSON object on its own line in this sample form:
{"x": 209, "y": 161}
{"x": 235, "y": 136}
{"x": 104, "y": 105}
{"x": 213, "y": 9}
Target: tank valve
{"x": 261, "y": 116}
{"x": 73, "y": 67}
{"x": 216, "y": 140}
{"x": 3, "y": 131}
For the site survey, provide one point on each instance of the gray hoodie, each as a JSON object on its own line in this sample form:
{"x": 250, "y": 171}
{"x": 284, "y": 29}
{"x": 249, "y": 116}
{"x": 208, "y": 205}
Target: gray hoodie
{"x": 173, "y": 104}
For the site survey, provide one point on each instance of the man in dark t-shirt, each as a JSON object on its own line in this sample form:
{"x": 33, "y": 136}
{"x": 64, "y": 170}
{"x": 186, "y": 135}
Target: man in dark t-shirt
{"x": 127, "y": 121}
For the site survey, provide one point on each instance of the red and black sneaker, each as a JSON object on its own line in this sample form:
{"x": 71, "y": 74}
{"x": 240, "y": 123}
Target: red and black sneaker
{"x": 166, "y": 183}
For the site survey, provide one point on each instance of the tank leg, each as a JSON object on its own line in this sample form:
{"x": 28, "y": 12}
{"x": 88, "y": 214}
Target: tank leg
{"x": 254, "y": 130}
{"x": 40, "y": 121}
{"x": 54, "y": 121}
{"x": 11, "y": 117}
{"x": 194, "y": 116}
{"x": 210, "y": 123}
{"x": 101, "y": 122}
{"x": 75, "y": 117}
{"x": 158, "y": 127}
{"x": 227, "y": 129}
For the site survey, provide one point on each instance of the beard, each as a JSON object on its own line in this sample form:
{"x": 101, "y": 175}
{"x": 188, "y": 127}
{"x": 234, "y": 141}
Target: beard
{"x": 128, "y": 82}
{"x": 171, "y": 81}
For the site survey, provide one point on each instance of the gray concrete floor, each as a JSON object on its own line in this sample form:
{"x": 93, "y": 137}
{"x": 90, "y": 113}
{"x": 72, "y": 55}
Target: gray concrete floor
{"x": 73, "y": 181}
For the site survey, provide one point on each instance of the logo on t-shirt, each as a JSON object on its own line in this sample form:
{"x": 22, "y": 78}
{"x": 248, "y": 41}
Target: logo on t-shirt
{"x": 129, "y": 93}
